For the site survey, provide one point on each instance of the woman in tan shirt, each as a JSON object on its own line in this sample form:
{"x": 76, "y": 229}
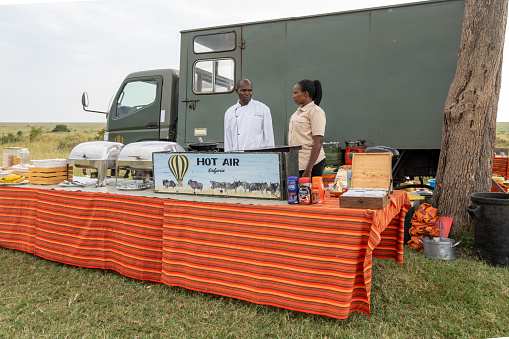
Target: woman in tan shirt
{"x": 307, "y": 127}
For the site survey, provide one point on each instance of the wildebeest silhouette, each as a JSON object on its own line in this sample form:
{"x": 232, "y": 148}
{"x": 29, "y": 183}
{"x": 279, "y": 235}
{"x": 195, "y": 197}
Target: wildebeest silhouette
{"x": 272, "y": 187}
{"x": 169, "y": 183}
{"x": 195, "y": 185}
{"x": 217, "y": 185}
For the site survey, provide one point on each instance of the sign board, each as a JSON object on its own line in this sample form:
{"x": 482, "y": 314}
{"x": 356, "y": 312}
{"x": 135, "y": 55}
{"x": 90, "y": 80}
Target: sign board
{"x": 245, "y": 175}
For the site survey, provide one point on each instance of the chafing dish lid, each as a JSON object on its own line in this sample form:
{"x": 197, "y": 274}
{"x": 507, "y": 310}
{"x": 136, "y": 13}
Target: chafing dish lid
{"x": 142, "y": 151}
{"x": 96, "y": 150}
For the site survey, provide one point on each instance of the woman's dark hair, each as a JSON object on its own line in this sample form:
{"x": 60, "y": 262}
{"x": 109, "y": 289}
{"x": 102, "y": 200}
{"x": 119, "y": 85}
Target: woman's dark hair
{"x": 314, "y": 88}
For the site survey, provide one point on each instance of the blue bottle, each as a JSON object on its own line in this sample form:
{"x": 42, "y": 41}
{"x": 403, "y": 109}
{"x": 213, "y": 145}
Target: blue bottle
{"x": 293, "y": 190}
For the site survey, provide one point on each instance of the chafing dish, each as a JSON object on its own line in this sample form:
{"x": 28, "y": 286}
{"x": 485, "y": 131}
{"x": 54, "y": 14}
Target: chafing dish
{"x": 136, "y": 158}
{"x": 98, "y": 155}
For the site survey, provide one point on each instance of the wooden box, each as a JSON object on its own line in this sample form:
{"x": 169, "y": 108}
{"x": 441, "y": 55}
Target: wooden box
{"x": 48, "y": 176}
{"x": 372, "y": 175}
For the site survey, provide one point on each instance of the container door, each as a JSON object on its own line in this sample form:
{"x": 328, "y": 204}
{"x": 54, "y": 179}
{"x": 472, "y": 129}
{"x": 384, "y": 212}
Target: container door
{"x": 134, "y": 114}
{"x": 264, "y": 63}
{"x": 209, "y": 73}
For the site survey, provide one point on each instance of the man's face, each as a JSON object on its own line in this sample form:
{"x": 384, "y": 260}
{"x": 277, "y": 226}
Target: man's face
{"x": 245, "y": 92}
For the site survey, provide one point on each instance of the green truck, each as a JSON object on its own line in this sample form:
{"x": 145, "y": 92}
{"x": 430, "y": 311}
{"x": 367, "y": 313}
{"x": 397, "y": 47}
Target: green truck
{"x": 385, "y": 74}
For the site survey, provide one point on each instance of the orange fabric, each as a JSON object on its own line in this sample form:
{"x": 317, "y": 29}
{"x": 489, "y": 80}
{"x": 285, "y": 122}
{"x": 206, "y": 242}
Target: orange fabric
{"x": 426, "y": 215}
{"x": 424, "y": 218}
{"x": 494, "y": 189}
{"x": 314, "y": 259}
{"x": 501, "y": 166}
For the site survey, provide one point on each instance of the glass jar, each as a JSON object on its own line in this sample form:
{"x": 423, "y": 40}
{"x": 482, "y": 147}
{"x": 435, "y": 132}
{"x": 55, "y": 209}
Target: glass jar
{"x": 8, "y": 155}
{"x": 305, "y": 191}
{"x": 24, "y": 157}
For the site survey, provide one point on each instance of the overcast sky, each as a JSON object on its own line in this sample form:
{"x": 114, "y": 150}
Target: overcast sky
{"x": 52, "y": 51}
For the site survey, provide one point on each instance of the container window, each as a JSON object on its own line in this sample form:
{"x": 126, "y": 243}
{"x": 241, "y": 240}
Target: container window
{"x": 213, "y": 76}
{"x": 214, "y": 43}
{"x": 135, "y": 96}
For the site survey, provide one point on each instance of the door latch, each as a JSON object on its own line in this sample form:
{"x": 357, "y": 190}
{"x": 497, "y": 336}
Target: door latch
{"x": 191, "y": 103}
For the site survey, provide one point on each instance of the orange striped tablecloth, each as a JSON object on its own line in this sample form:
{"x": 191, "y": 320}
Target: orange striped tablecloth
{"x": 501, "y": 166}
{"x": 107, "y": 231}
{"x": 314, "y": 259}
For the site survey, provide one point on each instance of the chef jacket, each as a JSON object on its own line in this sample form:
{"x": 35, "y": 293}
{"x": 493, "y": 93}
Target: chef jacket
{"x": 306, "y": 122}
{"x": 248, "y": 127}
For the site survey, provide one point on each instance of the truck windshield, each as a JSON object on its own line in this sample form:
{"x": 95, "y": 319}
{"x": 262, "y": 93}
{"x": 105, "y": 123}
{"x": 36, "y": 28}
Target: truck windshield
{"x": 135, "y": 96}
{"x": 213, "y": 76}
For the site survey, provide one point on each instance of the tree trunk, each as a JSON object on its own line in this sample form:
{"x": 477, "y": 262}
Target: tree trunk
{"x": 470, "y": 113}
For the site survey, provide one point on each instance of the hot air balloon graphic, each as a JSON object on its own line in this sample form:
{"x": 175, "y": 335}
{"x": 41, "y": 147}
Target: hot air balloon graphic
{"x": 179, "y": 165}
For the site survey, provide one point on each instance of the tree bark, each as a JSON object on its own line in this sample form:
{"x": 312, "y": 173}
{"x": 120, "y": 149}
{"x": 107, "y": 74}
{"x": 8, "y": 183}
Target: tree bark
{"x": 470, "y": 113}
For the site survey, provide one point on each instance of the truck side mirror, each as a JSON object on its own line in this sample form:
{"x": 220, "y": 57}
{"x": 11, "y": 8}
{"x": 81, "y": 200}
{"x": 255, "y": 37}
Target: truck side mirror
{"x": 84, "y": 103}
{"x": 84, "y": 99}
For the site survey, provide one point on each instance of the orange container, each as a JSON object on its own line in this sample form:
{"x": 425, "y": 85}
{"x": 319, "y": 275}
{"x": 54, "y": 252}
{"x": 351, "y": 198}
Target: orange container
{"x": 317, "y": 191}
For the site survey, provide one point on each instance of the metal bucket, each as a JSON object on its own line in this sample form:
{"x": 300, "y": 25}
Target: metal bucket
{"x": 436, "y": 249}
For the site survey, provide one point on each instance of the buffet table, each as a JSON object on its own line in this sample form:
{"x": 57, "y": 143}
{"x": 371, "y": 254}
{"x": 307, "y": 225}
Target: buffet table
{"x": 314, "y": 259}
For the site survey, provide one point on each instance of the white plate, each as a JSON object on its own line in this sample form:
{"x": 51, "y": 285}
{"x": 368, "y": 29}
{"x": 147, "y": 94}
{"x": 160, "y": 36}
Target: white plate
{"x": 76, "y": 184}
{"x": 13, "y": 183}
{"x": 133, "y": 187}
{"x": 21, "y": 170}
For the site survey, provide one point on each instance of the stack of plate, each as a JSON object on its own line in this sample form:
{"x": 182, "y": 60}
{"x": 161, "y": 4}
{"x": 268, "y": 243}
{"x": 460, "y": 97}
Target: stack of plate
{"x": 49, "y": 163}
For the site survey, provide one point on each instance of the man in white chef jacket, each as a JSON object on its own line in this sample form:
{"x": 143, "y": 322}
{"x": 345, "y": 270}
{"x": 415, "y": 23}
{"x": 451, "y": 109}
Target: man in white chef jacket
{"x": 248, "y": 123}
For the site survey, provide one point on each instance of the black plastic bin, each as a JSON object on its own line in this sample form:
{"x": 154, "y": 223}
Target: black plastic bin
{"x": 490, "y": 212}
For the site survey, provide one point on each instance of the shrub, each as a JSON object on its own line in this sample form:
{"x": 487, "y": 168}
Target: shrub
{"x": 100, "y": 135}
{"x": 61, "y": 128}
{"x": 35, "y": 133}
{"x": 10, "y": 138}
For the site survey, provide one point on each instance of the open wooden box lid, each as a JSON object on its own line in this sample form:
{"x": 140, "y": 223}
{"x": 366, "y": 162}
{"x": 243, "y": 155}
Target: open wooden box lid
{"x": 371, "y": 170}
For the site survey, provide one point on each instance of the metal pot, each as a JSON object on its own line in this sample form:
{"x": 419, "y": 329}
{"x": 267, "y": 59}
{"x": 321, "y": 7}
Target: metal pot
{"x": 99, "y": 155}
{"x": 439, "y": 248}
{"x": 203, "y": 146}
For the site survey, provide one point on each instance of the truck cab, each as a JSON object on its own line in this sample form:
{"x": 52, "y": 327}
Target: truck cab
{"x": 144, "y": 107}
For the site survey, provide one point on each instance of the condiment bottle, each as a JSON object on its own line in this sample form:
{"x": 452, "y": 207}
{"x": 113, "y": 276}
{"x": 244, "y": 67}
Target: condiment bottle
{"x": 293, "y": 190}
{"x": 305, "y": 191}
{"x": 318, "y": 191}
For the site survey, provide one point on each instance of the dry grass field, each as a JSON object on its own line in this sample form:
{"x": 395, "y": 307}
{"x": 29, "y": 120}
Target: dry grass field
{"x": 502, "y": 135}
{"x": 56, "y": 145}
{"x": 47, "y": 144}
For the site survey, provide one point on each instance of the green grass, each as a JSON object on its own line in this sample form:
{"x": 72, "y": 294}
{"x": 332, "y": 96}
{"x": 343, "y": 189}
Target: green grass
{"x": 421, "y": 298}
